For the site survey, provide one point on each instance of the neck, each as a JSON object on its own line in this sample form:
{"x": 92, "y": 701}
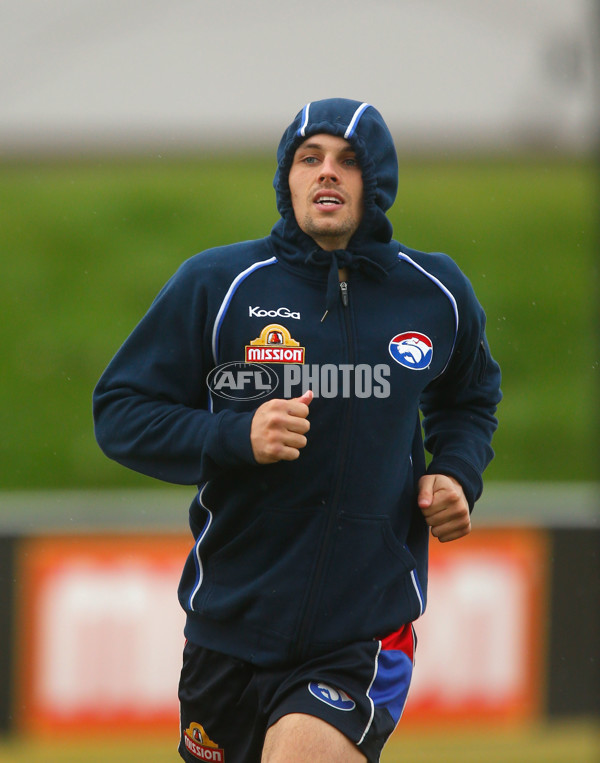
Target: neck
{"x": 328, "y": 243}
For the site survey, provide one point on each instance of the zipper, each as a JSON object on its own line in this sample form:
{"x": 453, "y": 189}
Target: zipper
{"x": 308, "y": 617}
{"x": 344, "y": 292}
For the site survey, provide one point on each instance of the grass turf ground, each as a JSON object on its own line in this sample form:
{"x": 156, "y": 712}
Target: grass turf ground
{"x": 573, "y": 742}
{"x": 87, "y": 245}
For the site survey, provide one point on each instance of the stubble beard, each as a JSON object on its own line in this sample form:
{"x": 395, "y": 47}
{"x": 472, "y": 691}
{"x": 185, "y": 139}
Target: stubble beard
{"x": 329, "y": 234}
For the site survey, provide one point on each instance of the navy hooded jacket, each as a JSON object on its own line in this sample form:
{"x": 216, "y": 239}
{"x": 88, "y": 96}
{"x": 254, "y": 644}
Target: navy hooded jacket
{"x": 296, "y": 558}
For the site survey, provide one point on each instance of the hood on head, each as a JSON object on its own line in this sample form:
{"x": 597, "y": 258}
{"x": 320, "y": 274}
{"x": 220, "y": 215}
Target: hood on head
{"x": 363, "y": 127}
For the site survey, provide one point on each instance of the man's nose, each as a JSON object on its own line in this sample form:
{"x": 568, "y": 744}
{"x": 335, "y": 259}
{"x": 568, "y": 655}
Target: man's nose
{"x": 329, "y": 170}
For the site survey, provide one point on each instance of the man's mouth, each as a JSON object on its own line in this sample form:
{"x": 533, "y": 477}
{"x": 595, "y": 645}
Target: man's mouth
{"x": 328, "y": 199}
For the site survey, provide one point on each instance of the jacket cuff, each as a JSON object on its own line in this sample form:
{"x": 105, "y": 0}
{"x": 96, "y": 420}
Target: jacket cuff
{"x": 463, "y": 472}
{"x": 234, "y": 446}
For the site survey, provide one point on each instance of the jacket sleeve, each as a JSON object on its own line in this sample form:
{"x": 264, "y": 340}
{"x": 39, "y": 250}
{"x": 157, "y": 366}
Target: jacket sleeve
{"x": 151, "y": 404}
{"x": 459, "y": 406}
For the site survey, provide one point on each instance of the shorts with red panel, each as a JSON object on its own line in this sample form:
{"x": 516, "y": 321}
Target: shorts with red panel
{"x": 228, "y": 705}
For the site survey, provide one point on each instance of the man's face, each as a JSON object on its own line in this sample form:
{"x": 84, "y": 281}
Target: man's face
{"x": 327, "y": 190}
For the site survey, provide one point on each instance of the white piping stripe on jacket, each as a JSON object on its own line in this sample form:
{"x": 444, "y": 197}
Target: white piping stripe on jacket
{"x": 223, "y": 309}
{"x": 375, "y": 669}
{"x": 349, "y": 130}
{"x": 225, "y": 304}
{"x": 415, "y": 582}
{"x": 302, "y": 129}
{"x": 446, "y": 291}
{"x": 354, "y": 121}
{"x": 199, "y": 540}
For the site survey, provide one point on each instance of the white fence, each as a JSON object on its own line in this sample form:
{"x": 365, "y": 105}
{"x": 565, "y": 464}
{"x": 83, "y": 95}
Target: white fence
{"x": 139, "y": 74}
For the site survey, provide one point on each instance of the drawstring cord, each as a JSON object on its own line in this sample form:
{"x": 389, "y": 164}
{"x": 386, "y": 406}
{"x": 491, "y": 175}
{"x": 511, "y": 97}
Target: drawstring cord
{"x": 337, "y": 259}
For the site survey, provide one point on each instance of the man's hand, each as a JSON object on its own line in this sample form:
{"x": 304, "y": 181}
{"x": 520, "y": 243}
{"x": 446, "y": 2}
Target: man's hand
{"x": 279, "y": 428}
{"x": 444, "y": 506}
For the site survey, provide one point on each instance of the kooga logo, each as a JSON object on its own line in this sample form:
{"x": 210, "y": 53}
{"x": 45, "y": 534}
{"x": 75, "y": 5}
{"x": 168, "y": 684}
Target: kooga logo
{"x": 281, "y": 312}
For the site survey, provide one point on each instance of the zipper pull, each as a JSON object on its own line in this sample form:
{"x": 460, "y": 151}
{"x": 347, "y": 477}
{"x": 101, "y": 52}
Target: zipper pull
{"x": 344, "y": 292}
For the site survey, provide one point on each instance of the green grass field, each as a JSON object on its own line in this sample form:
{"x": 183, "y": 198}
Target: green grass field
{"x": 87, "y": 245}
{"x": 559, "y": 743}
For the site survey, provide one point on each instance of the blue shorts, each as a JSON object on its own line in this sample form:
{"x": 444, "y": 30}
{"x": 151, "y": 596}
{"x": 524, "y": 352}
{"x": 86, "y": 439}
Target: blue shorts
{"x": 227, "y": 705}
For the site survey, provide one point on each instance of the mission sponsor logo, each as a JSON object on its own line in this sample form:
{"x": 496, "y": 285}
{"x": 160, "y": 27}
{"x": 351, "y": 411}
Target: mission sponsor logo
{"x": 198, "y": 744}
{"x": 333, "y": 697}
{"x": 274, "y": 345}
{"x": 412, "y": 350}
{"x": 280, "y": 312}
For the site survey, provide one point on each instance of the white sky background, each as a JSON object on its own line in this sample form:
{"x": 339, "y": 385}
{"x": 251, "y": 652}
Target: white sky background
{"x": 444, "y": 73}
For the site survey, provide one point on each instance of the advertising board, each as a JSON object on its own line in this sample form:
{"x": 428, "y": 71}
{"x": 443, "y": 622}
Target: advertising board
{"x": 100, "y": 631}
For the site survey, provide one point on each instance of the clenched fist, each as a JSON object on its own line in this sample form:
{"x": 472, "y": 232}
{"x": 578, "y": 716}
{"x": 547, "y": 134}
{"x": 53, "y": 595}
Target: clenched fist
{"x": 279, "y": 429}
{"x": 444, "y": 506}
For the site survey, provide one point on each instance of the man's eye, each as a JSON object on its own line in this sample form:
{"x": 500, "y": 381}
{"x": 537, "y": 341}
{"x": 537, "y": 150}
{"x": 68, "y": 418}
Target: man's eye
{"x": 310, "y": 160}
{"x": 351, "y": 163}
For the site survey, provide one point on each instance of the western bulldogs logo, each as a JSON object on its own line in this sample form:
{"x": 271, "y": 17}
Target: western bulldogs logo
{"x": 412, "y": 350}
{"x": 333, "y": 697}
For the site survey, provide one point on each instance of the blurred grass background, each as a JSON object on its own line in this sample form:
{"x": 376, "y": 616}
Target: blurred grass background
{"x": 86, "y": 245}
{"x": 576, "y": 742}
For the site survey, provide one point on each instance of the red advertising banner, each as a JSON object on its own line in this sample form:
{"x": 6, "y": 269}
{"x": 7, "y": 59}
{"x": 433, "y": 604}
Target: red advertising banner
{"x": 482, "y": 640}
{"x": 100, "y": 632}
